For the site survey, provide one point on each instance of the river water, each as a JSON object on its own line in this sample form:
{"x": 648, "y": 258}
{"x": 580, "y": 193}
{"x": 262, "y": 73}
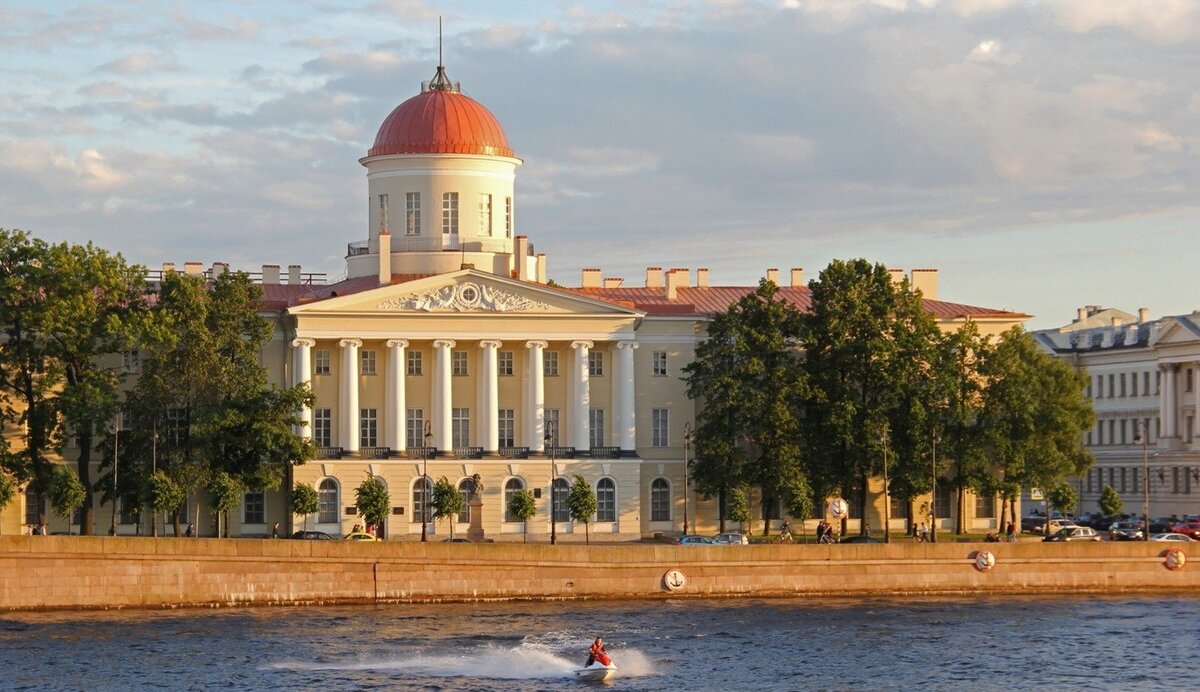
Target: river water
{"x": 1067, "y": 643}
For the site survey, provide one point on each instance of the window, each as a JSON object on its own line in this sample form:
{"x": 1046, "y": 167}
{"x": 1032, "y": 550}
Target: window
{"x": 552, "y": 426}
{"x": 176, "y": 427}
{"x": 504, "y": 363}
{"x": 596, "y": 427}
{"x": 368, "y": 427}
{"x": 128, "y": 515}
{"x": 1146, "y": 383}
{"x": 1133, "y": 384}
{"x": 1112, "y": 390}
{"x": 323, "y": 427}
{"x": 508, "y": 217}
{"x": 461, "y": 426}
{"x": 1091, "y": 475}
{"x": 421, "y": 492}
{"x": 485, "y": 214}
{"x": 660, "y": 500}
{"x": 1187, "y": 430}
{"x": 1187, "y": 381}
{"x": 383, "y": 215}
{"x": 659, "y": 364}
{"x": 507, "y": 420}
{"x": 511, "y": 487}
{"x": 414, "y": 362}
{"x": 130, "y": 361}
{"x": 985, "y": 506}
{"x": 31, "y": 507}
{"x": 1175, "y": 479}
{"x": 254, "y": 509}
{"x": 606, "y": 500}
{"x": 1123, "y": 486}
{"x": 366, "y": 362}
{"x": 944, "y": 499}
{"x": 327, "y": 502}
{"x": 465, "y": 486}
{"x": 321, "y": 363}
{"x": 412, "y": 213}
{"x": 550, "y": 364}
{"x": 414, "y": 428}
{"x": 458, "y": 364}
{"x": 562, "y": 508}
{"x": 450, "y": 213}
{"x": 1122, "y": 383}
{"x": 658, "y": 427}
{"x": 596, "y": 363}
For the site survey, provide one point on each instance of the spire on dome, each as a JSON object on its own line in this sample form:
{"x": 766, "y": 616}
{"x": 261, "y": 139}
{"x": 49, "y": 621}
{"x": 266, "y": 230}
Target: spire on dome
{"x": 440, "y": 81}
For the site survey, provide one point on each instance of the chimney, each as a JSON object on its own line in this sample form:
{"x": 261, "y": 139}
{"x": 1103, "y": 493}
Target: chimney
{"x": 925, "y": 281}
{"x": 773, "y": 275}
{"x": 385, "y": 258}
{"x": 1143, "y": 315}
{"x": 676, "y": 278}
{"x": 1116, "y": 321}
{"x": 294, "y": 274}
{"x": 520, "y": 257}
{"x": 218, "y": 268}
{"x": 591, "y": 278}
{"x": 613, "y": 281}
{"x": 540, "y": 277}
{"x": 654, "y": 277}
{"x": 897, "y": 276}
{"x": 270, "y": 274}
{"x": 193, "y": 268}
{"x": 168, "y": 267}
{"x": 702, "y": 277}
{"x": 1081, "y": 314}
{"x": 797, "y": 277}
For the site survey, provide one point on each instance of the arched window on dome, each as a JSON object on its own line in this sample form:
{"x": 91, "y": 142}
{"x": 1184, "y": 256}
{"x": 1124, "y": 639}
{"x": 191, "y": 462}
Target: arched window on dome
{"x": 450, "y": 213}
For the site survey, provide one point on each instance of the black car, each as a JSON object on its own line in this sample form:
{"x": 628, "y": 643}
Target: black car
{"x": 859, "y": 539}
{"x": 312, "y": 536}
{"x": 1162, "y": 525}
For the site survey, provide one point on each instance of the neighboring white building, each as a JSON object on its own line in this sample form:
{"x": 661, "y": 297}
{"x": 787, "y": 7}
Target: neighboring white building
{"x": 1144, "y": 374}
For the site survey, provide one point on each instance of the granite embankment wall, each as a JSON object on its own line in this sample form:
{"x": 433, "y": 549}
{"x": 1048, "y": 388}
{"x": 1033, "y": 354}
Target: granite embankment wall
{"x": 101, "y": 572}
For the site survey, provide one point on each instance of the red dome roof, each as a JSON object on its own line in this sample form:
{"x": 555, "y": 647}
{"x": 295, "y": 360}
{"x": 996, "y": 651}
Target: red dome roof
{"x": 441, "y": 121}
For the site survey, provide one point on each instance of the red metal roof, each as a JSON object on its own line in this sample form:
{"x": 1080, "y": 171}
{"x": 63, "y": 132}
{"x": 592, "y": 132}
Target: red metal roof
{"x": 441, "y": 122}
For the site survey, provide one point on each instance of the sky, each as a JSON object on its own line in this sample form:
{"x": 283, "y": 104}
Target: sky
{"x": 1040, "y": 154}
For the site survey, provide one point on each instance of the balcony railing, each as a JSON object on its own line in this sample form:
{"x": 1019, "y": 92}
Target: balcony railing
{"x": 514, "y": 452}
{"x": 329, "y": 452}
{"x": 561, "y": 452}
{"x": 358, "y": 247}
{"x": 605, "y": 452}
{"x": 374, "y": 452}
{"x": 420, "y": 452}
{"x": 468, "y": 452}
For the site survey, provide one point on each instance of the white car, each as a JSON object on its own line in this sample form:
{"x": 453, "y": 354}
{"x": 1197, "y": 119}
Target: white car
{"x": 1056, "y": 525}
{"x": 731, "y": 539}
{"x": 1172, "y": 538}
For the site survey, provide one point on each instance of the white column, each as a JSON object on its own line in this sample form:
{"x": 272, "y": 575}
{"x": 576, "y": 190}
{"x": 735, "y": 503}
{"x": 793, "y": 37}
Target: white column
{"x": 580, "y": 395}
{"x": 624, "y": 398}
{"x": 535, "y": 407}
{"x": 1162, "y": 402}
{"x": 1196, "y": 402}
{"x": 489, "y": 396}
{"x": 443, "y": 431}
{"x": 302, "y": 374}
{"x": 349, "y": 408}
{"x": 1170, "y": 429}
{"x": 394, "y": 395}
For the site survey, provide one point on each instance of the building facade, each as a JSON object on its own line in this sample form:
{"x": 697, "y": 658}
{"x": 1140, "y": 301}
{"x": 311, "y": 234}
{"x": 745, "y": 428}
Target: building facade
{"x": 445, "y": 352}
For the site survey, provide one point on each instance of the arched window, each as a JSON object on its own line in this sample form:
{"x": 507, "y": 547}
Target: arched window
{"x": 606, "y": 500}
{"x": 660, "y": 500}
{"x": 421, "y": 492}
{"x": 511, "y": 487}
{"x": 465, "y": 488}
{"x": 327, "y": 502}
{"x": 31, "y": 506}
{"x": 562, "y": 491}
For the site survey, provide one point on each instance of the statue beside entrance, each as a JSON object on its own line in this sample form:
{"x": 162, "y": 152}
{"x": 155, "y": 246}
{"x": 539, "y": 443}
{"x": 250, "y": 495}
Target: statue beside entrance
{"x": 475, "y": 502}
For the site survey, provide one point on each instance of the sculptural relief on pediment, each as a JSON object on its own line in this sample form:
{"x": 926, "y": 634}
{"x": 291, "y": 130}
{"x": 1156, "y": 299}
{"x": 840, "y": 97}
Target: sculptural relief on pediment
{"x": 465, "y": 297}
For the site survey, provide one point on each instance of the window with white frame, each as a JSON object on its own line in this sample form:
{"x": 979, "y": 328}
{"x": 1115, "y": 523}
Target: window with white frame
{"x": 1146, "y": 383}
{"x": 508, "y": 217}
{"x": 552, "y": 426}
{"x": 323, "y": 427}
{"x": 660, "y": 500}
{"x": 550, "y": 364}
{"x": 504, "y": 363}
{"x": 321, "y": 362}
{"x": 506, "y": 418}
{"x": 254, "y": 506}
{"x": 414, "y": 359}
{"x": 366, "y": 362}
{"x": 485, "y": 214}
{"x": 327, "y": 502}
{"x": 464, "y": 489}
{"x": 562, "y": 504}
{"x": 383, "y": 213}
{"x": 659, "y": 420}
{"x": 595, "y": 363}
{"x": 414, "y": 428}
{"x": 606, "y": 500}
{"x": 596, "y": 427}
{"x": 368, "y": 427}
{"x": 412, "y": 213}
{"x": 450, "y": 213}
{"x": 511, "y": 487}
{"x": 458, "y": 364}
{"x": 1122, "y": 383}
{"x": 1112, "y": 388}
{"x": 1133, "y": 384}
{"x": 658, "y": 366}
{"x": 130, "y": 361}
{"x": 421, "y": 491}
{"x": 460, "y": 426}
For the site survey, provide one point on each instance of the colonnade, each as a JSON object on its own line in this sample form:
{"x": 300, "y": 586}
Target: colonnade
{"x": 1168, "y": 401}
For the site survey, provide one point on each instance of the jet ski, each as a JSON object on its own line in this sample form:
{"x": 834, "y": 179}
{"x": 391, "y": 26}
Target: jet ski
{"x": 597, "y": 672}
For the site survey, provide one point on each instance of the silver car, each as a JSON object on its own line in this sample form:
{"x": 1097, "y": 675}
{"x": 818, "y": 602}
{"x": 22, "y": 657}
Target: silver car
{"x": 731, "y": 539}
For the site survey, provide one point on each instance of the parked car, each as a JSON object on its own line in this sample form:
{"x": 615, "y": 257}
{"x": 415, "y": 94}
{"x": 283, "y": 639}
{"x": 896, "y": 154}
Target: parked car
{"x": 1055, "y": 525}
{"x": 360, "y": 536}
{"x": 731, "y": 539}
{"x": 859, "y": 539}
{"x": 312, "y": 536}
{"x": 455, "y": 540}
{"x": 1161, "y": 525}
{"x": 1126, "y": 531}
{"x": 1190, "y": 529}
{"x": 1172, "y": 538}
{"x": 694, "y": 540}
{"x": 1073, "y": 533}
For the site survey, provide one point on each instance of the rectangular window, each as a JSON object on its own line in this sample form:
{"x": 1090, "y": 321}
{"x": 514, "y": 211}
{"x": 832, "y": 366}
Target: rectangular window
{"x": 1133, "y": 384}
{"x": 1090, "y": 479}
{"x": 414, "y": 428}
{"x": 412, "y": 213}
{"x": 485, "y": 214}
{"x": 1158, "y": 382}
{"x": 383, "y": 213}
{"x": 1187, "y": 430}
{"x": 508, "y": 217}
{"x": 508, "y": 427}
{"x": 1112, "y": 390}
{"x": 366, "y": 362}
{"x": 659, "y": 420}
{"x": 458, "y": 364}
{"x": 130, "y": 361}
{"x": 659, "y": 364}
{"x": 1123, "y": 426}
{"x": 1122, "y": 382}
{"x": 550, "y": 364}
{"x": 368, "y": 427}
{"x": 596, "y": 427}
{"x": 323, "y": 427}
{"x": 1099, "y": 386}
{"x": 1112, "y": 432}
{"x": 1146, "y": 383}
{"x": 461, "y": 426}
{"x": 596, "y": 363}
{"x": 254, "y": 506}
{"x": 660, "y": 500}
{"x": 1122, "y": 483}
{"x": 414, "y": 359}
{"x": 321, "y": 363}
{"x": 450, "y": 213}
{"x": 504, "y": 363}
{"x": 985, "y": 506}
{"x": 1175, "y": 479}
{"x": 552, "y": 426}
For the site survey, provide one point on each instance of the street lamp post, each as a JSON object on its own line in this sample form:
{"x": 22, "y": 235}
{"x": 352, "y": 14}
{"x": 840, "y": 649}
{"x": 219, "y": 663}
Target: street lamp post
{"x": 687, "y": 438}
{"x": 887, "y": 496}
{"x": 933, "y": 493}
{"x": 154, "y": 470}
{"x": 1144, "y": 438}
{"x": 112, "y": 530}
{"x": 425, "y": 481}
{"x": 552, "y": 445}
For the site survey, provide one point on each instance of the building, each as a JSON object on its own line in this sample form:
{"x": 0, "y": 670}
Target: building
{"x": 1145, "y": 386}
{"x": 445, "y": 347}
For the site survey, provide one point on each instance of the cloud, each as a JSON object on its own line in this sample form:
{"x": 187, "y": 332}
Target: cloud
{"x": 1158, "y": 21}
{"x": 991, "y": 50}
{"x": 141, "y": 63}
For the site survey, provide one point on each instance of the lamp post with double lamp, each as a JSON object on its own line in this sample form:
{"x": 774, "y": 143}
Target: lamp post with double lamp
{"x": 551, "y": 445}
{"x": 425, "y": 481}
{"x": 1144, "y": 439}
{"x": 687, "y": 438}
{"x": 112, "y": 530}
{"x": 933, "y": 492}
{"x": 887, "y": 497}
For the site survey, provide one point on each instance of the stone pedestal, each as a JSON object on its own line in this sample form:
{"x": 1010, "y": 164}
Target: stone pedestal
{"x": 475, "y": 533}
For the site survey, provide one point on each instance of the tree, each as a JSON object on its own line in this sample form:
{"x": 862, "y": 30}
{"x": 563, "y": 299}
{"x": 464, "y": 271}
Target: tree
{"x": 447, "y": 501}
{"x": 1063, "y": 497}
{"x": 522, "y": 507}
{"x": 65, "y": 491}
{"x": 736, "y": 506}
{"x": 372, "y": 500}
{"x": 304, "y": 500}
{"x": 162, "y": 494}
{"x": 8, "y": 489}
{"x": 226, "y": 491}
{"x": 581, "y": 502}
{"x": 1110, "y": 502}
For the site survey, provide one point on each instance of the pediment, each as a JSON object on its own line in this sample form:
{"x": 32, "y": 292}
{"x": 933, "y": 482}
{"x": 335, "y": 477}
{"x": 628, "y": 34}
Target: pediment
{"x": 1180, "y": 330}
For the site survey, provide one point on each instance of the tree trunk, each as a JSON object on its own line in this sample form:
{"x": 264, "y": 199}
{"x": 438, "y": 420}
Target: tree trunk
{"x": 912, "y": 516}
{"x": 87, "y": 521}
{"x": 1000, "y": 523}
{"x": 863, "y": 524}
{"x": 959, "y": 503}
{"x": 587, "y": 533}
{"x": 721, "y": 510}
